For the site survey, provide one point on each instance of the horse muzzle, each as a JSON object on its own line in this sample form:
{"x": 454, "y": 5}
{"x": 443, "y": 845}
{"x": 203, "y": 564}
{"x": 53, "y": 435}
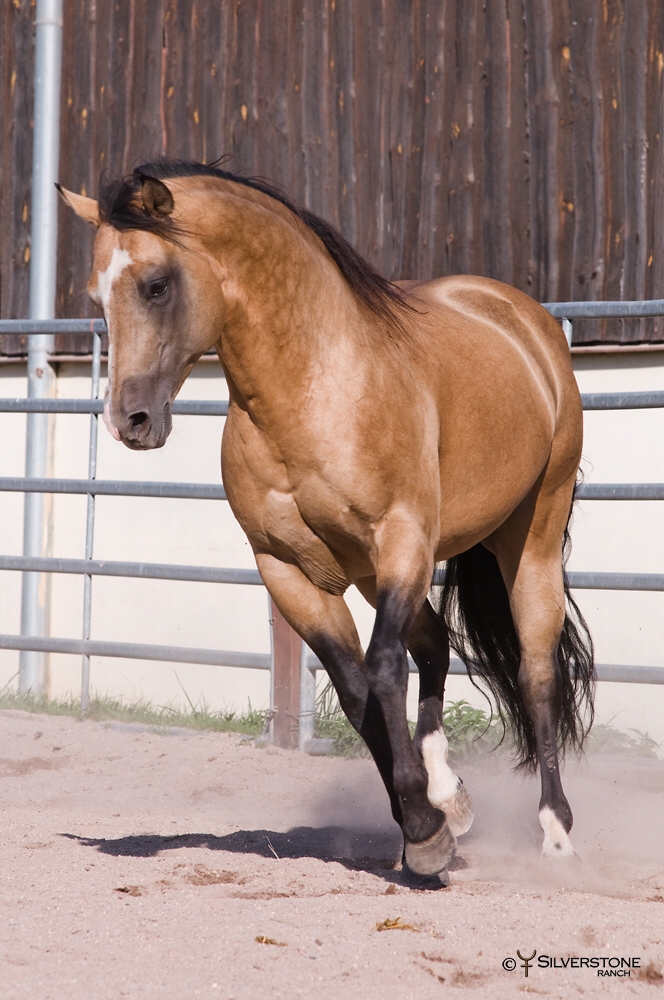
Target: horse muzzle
{"x": 139, "y": 422}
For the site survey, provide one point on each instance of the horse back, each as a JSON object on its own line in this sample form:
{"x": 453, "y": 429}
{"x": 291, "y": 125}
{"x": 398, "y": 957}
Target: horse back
{"x": 499, "y": 368}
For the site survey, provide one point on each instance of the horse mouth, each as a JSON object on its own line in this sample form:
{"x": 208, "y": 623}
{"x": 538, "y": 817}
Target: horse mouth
{"x": 146, "y": 432}
{"x": 143, "y": 428}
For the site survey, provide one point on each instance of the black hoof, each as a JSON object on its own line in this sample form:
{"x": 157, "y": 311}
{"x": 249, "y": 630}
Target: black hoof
{"x": 440, "y": 880}
{"x": 432, "y": 856}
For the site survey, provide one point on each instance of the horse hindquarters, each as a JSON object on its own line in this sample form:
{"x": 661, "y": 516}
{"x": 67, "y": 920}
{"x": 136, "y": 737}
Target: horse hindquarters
{"x": 507, "y": 620}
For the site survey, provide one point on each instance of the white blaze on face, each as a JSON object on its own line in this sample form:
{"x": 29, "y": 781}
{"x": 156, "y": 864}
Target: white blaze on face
{"x": 105, "y": 279}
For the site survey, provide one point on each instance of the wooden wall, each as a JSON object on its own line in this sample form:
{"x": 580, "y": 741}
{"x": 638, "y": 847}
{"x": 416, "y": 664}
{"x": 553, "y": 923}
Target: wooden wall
{"x": 521, "y": 139}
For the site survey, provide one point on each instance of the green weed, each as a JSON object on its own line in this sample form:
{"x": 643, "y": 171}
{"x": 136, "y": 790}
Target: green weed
{"x": 603, "y": 738}
{"x": 470, "y": 731}
{"x": 105, "y": 708}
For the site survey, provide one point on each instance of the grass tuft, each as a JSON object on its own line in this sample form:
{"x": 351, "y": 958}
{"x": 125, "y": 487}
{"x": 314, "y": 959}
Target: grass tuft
{"x": 332, "y": 724}
{"x": 604, "y": 738}
{"x": 104, "y": 708}
{"x": 470, "y": 731}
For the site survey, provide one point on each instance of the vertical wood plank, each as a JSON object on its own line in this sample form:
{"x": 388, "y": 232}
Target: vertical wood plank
{"x": 287, "y": 649}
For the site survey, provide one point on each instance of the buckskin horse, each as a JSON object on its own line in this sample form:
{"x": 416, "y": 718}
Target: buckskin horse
{"x": 374, "y": 430}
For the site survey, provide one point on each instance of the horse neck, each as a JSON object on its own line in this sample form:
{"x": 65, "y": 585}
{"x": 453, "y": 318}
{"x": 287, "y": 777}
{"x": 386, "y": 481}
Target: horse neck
{"x": 287, "y": 306}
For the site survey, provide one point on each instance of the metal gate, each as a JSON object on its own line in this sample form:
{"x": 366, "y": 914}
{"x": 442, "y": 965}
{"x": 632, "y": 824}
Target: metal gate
{"x": 292, "y": 669}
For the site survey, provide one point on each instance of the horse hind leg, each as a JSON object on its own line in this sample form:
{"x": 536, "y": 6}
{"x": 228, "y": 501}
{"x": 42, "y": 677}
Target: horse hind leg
{"x": 534, "y": 580}
{"x": 429, "y": 646}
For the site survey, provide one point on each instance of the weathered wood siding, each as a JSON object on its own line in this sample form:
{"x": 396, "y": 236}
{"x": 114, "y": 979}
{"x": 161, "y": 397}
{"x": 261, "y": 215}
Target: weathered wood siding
{"x": 521, "y": 139}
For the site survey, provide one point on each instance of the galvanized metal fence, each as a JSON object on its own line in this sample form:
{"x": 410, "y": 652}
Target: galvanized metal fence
{"x": 31, "y": 566}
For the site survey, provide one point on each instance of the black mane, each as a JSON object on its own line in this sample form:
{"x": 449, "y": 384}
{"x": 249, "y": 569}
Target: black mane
{"x": 120, "y": 207}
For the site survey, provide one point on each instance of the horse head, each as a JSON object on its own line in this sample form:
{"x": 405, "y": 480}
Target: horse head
{"x": 161, "y": 307}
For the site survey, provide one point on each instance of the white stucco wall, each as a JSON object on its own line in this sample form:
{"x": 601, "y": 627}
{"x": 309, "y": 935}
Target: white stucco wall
{"x": 626, "y": 446}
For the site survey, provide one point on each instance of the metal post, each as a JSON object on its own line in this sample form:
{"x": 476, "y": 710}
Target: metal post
{"x": 286, "y": 654}
{"x": 305, "y": 730}
{"x": 90, "y": 523}
{"x": 41, "y": 379}
{"x": 567, "y": 330}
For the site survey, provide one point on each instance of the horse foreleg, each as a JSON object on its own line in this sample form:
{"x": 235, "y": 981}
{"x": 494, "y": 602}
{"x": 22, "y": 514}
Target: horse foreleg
{"x": 429, "y": 646}
{"x": 326, "y": 625}
{"x": 402, "y": 583}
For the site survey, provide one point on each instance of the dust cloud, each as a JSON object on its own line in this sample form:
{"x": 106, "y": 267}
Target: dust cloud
{"x": 618, "y": 807}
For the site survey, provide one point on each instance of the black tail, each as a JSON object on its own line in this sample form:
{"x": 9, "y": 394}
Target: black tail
{"x": 476, "y": 610}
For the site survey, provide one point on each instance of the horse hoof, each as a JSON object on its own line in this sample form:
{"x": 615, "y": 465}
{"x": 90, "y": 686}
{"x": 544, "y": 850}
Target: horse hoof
{"x": 440, "y": 880}
{"x": 556, "y": 839}
{"x": 459, "y": 811}
{"x": 432, "y": 856}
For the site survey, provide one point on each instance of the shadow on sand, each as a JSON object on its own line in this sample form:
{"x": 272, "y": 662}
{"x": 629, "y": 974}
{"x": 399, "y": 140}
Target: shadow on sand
{"x": 356, "y": 850}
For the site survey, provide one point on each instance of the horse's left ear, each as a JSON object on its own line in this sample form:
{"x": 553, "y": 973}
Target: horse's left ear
{"x": 157, "y": 199}
{"x": 85, "y": 208}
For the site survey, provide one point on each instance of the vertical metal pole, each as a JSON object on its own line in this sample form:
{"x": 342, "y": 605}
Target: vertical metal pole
{"x": 90, "y": 522}
{"x": 286, "y": 656}
{"x": 567, "y": 330}
{"x": 41, "y": 378}
{"x": 305, "y": 730}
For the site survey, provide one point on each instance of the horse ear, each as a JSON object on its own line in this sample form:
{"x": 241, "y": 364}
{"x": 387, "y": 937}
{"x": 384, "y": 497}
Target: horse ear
{"x": 157, "y": 199}
{"x": 86, "y": 208}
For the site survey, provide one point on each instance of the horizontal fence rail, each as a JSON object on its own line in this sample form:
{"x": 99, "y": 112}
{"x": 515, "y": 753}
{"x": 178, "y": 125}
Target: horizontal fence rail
{"x": 616, "y": 581}
{"x": 209, "y": 491}
{"x": 618, "y": 673}
{"x": 621, "y": 491}
{"x": 114, "y": 488}
{"x": 622, "y": 400}
{"x": 138, "y": 651}
{"x": 219, "y": 408}
{"x": 567, "y": 312}
{"x": 28, "y": 326}
{"x": 213, "y": 574}
{"x": 639, "y": 309}
{"x": 186, "y": 407}
{"x": 143, "y": 571}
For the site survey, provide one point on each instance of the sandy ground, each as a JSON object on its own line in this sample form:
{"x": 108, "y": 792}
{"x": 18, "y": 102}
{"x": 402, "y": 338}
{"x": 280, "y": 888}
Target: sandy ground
{"x": 137, "y": 864}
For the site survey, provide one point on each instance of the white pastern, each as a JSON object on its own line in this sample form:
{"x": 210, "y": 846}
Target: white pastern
{"x": 556, "y": 840}
{"x": 105, "y": 279}
{"x": 445, "y": 789}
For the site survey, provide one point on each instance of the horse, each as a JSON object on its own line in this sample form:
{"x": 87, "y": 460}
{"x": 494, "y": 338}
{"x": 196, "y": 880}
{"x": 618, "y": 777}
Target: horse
{"x": 374, "y": 430}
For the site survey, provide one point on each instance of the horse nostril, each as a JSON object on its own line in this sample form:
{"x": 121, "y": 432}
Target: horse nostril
{"x": 136, "y": 419}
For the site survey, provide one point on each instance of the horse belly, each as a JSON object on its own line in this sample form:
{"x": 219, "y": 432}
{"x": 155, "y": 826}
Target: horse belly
{"x": 485, "y": 475}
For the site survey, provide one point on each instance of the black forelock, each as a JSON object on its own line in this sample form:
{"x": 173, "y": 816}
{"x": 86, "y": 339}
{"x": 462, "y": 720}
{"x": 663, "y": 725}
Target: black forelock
{"x": 120, "y": 207}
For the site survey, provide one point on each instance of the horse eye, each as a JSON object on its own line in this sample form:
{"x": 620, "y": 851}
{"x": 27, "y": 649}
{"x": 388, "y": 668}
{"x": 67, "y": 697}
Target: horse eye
{"x": 158, "y": 288}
